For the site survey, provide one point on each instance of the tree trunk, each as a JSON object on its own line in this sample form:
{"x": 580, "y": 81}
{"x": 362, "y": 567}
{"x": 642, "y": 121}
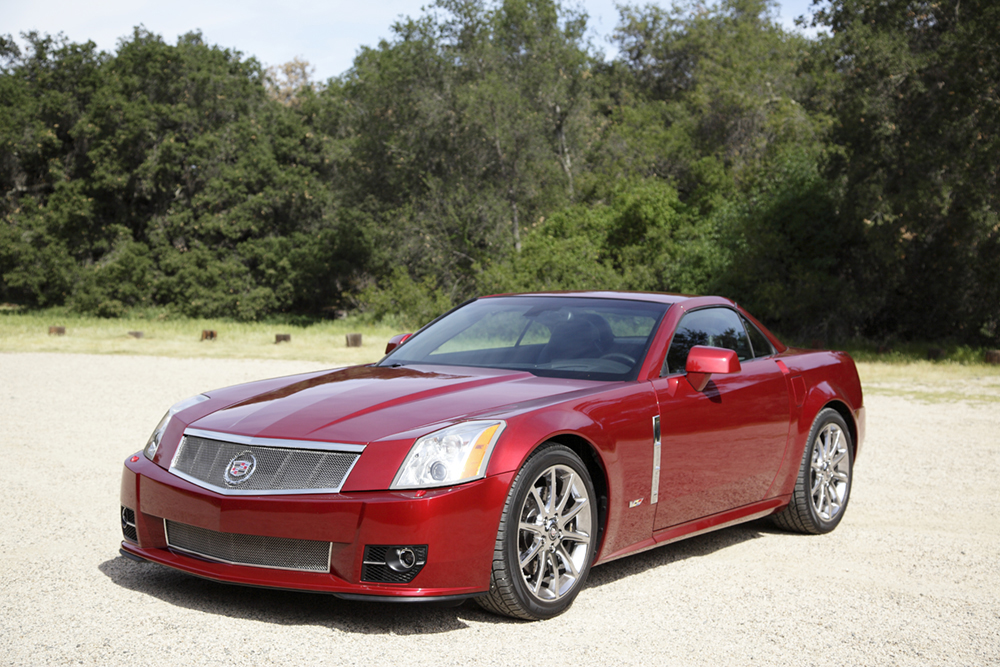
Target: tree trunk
{"x": 517, "y": 226}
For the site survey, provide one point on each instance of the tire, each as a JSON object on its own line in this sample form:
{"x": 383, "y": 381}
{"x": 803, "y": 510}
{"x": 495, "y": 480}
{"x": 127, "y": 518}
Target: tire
{"x": 546, "y": 541}
{"x": 823, "y": 486}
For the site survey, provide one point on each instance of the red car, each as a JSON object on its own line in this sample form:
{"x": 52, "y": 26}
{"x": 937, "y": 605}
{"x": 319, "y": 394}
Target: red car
{"x": 500, "y": 452}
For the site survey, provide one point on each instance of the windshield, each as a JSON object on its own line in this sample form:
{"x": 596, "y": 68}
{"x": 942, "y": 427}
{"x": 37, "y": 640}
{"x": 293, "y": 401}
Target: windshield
{"x": 552, "y": 336}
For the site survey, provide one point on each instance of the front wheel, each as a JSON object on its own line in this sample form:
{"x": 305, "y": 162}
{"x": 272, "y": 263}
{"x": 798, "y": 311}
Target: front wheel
{"x": 823, "y": 486}
{"x": 547, "y": 537}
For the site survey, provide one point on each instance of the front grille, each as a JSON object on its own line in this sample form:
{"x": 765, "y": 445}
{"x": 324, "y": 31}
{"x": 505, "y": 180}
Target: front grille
{"x": 254, "y": 466}
{"x": 128, "y": 525}
{"x": 376, "y": 569}
{"x": 279, "y": 553}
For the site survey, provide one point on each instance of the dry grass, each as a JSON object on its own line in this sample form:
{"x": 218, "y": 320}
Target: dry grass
{"x": 323, "y": 341}
{"x": 925, "y": 372}
{"x": 933, "y": 382}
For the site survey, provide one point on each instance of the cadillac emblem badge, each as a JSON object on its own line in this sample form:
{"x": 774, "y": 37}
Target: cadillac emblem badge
{"x": 240, "y": 468}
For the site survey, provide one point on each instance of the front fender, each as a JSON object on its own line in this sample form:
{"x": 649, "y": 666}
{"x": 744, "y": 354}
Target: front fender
{"x": 617, "y": 427}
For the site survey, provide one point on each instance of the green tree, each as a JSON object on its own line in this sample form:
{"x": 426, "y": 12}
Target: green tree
{"x": 919, "y": 123}
{"x": 644, "y": 238}
{"x": 46, "y": 215}
{"x": 463, "y": 129}
{"x": 735, "y": 111}
{"x": 709, "y": 97}
{"x": 788, "y": 256}
{"x": 164, "y": 175}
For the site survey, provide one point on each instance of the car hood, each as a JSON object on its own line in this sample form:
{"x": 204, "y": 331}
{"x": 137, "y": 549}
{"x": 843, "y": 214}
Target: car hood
{"x": 364, "y": 404}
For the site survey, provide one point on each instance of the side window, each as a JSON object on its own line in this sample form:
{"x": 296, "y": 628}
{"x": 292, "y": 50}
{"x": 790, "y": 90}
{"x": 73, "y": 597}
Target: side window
{"x": 761, "y": 345}
{"x": 717, "y": 327}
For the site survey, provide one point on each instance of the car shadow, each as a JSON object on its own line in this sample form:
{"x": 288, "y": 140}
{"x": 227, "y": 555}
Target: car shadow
{"x": 692, "y": 547}
{"x": 281, "y": 607}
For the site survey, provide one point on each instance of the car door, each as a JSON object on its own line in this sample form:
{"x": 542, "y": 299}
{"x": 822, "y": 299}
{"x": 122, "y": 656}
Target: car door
{"x": 720, "y": 447}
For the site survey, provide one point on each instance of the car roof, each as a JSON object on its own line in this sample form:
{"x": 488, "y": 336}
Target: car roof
{"x": 683, "y": 302}
{"x": 654, "y": 297}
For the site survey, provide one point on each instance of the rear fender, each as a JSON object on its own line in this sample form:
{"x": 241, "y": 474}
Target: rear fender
{"x": 818, "y": 396}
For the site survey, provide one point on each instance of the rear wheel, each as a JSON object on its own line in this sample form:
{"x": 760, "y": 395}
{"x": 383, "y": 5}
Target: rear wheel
{"x": 547, "y": 536}
{"x": 823, "y": 486}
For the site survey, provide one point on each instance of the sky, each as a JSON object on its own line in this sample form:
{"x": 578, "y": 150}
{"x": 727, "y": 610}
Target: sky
{"x": 327, "y": 33}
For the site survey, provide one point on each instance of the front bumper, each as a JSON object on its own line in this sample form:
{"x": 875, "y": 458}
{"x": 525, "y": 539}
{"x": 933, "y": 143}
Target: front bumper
{"x": 458, "y": 525}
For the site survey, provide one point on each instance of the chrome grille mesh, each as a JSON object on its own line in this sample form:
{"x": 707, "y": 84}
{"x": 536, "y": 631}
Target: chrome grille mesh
{"x": 205, "y": 462}
{"x": 279, "y": 553}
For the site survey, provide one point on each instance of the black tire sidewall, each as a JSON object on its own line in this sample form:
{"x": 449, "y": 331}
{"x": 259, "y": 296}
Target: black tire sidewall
{"x": 543, "y": 459}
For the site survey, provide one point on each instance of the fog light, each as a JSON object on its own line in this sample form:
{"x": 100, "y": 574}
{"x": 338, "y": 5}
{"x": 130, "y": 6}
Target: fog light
{"x": 401, "y": 559}
{"x": 393, "y": 564}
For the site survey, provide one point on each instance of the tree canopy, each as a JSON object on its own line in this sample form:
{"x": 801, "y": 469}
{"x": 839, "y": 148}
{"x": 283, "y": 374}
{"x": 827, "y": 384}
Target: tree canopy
{"x": 843, "y": 185}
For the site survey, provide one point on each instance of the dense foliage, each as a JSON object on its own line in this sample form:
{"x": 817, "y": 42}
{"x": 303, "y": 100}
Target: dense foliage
{"x": 839, "y": 186}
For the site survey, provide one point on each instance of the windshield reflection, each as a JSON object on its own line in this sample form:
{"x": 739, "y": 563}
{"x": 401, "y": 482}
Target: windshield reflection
{"x": 551, "y": 336}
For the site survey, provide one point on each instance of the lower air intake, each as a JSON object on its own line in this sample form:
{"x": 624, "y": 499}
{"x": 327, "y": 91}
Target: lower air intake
{"x": 280, "y": 553}
{"x": 128, "y": 525}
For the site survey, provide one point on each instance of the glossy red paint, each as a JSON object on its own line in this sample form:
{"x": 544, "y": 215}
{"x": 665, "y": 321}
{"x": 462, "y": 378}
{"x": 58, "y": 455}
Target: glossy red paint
{"x": 396, "y": 341}
{"x": 703, "y": 361}
{"x": 616, "y": 423}
{"x": 348, "y": 520}
{"x": 703, "y": 525}
{"x": 721, "y": 445}
{"x": 732, "y": 435}
{"x": 709, "y": 360}
{"x": 818, "y": 379}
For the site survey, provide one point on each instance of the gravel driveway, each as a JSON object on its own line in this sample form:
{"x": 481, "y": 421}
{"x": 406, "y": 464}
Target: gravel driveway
{"x": 911, "y": 576}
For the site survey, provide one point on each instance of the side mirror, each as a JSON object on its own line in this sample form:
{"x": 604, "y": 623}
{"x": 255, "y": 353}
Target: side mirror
{"x": 396, "y": 341}
{"x": 703, "y": 361}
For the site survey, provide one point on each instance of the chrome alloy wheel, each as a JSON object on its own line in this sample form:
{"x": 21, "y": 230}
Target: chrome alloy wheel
{"x": 830, "y": 472}
{"x": 554, "y": 533}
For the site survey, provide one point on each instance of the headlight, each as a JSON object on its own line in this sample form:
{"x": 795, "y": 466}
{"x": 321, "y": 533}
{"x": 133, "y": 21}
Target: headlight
{"x": 154, "y": 440}
{"x": 453, "y": 455}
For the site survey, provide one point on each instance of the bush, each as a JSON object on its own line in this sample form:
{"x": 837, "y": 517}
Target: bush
{"x": 403, "y": 300}
{"x": 645, "y": 239}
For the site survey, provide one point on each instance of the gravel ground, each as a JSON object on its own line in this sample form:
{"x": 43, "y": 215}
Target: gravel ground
{"x": 909, "y": 578}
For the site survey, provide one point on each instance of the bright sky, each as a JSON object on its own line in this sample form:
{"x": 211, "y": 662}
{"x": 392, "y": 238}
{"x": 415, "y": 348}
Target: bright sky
{"x": 327, "y": 33}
